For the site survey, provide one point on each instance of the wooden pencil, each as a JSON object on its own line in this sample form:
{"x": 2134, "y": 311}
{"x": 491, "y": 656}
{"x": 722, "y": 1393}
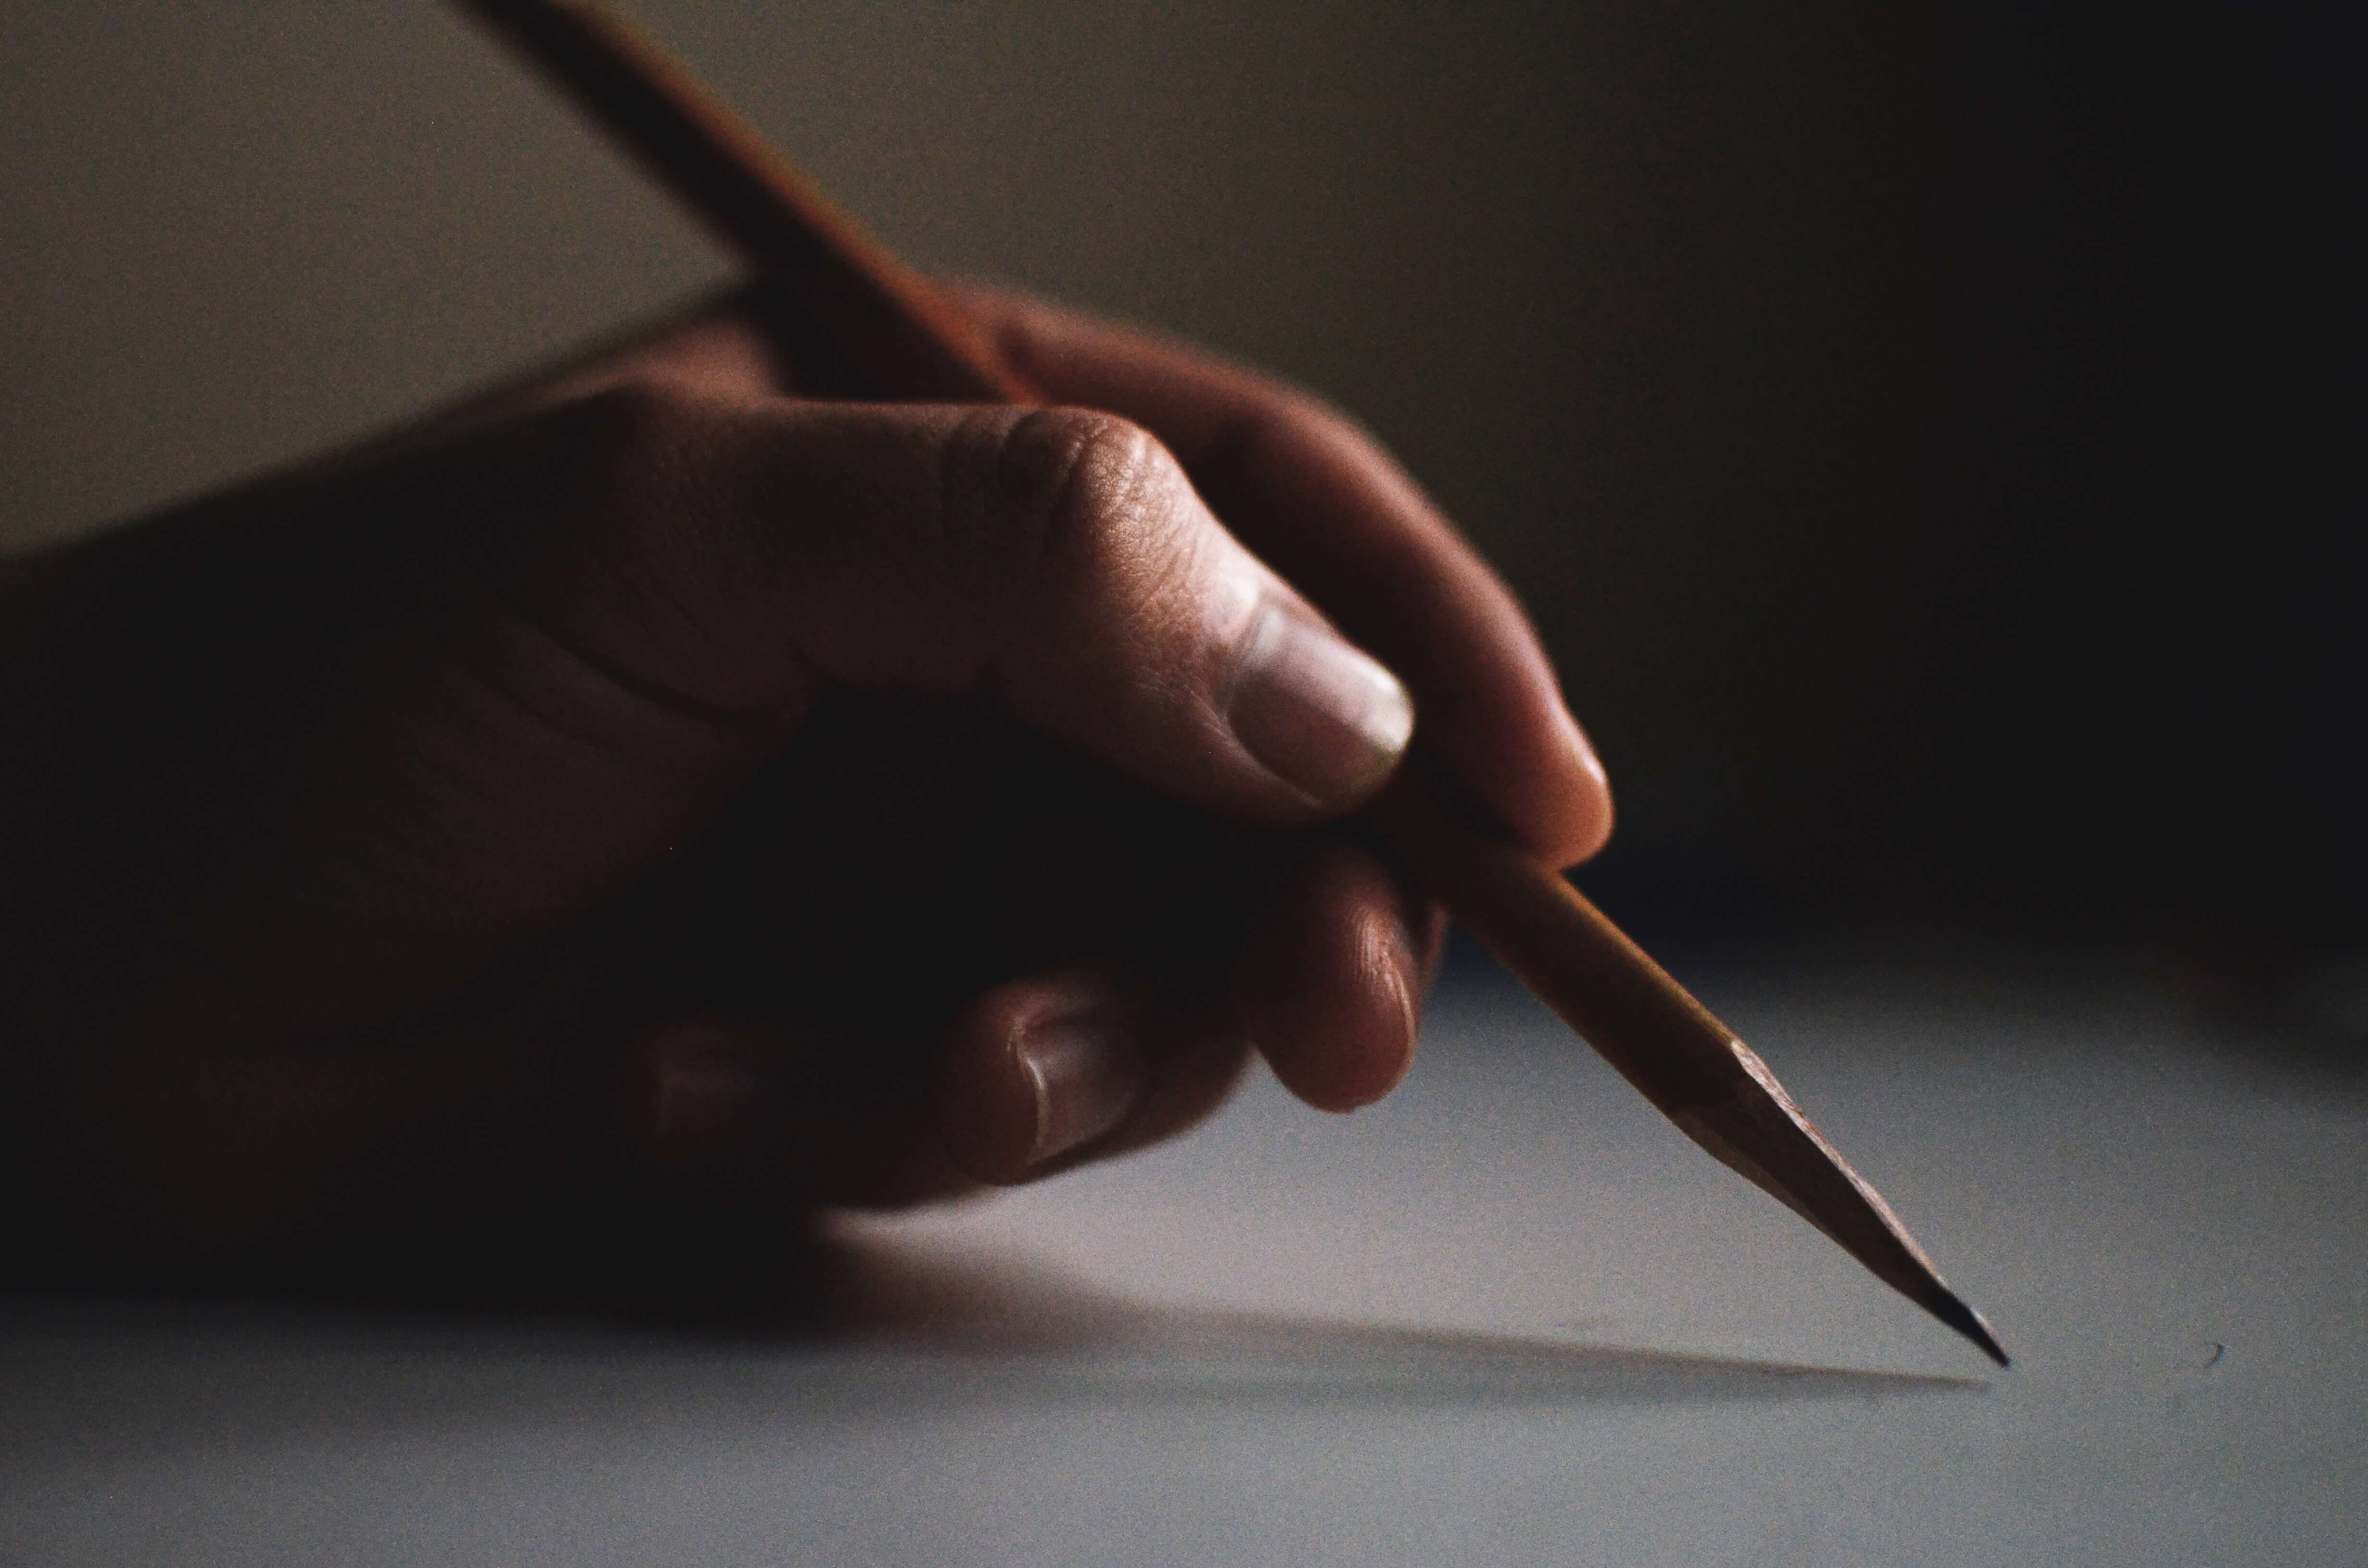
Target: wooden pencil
{"x": 887, "y": 322}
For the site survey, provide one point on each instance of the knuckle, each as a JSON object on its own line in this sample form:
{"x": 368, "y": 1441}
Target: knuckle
{"x": 1073, "y": 487}
{"x": 1064, "y": 471}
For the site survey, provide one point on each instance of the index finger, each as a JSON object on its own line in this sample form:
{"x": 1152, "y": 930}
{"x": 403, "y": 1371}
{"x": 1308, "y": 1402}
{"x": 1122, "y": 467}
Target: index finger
{"x": 1323, "y": 504}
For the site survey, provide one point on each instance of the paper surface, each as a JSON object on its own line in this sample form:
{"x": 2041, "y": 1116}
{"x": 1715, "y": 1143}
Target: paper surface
{"x": 1510, "y": 1315}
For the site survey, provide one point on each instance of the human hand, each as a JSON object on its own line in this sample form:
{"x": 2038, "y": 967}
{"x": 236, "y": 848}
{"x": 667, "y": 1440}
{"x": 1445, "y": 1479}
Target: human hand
{"x": 645, "y": 793}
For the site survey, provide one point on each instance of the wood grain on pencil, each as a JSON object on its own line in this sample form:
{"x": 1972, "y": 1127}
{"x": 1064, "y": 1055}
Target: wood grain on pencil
{"x": 909, "y": 343}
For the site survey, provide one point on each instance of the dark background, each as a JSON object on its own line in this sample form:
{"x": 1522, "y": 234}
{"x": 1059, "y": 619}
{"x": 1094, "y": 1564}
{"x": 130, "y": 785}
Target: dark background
{"x": 1929, "y": 437}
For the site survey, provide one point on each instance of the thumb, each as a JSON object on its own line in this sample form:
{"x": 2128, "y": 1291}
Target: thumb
{"x": 747, "y": 554}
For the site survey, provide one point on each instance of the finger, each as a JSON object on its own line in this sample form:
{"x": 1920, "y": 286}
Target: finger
{"x": 1040, "y": 1074}
{"x": 741, "y": 555}
{"x": 1033, "y": 1077}
{"x": 1316, "y": 499}
{"x": 796, "y": 1115}
{"x": 1333, "y": 977}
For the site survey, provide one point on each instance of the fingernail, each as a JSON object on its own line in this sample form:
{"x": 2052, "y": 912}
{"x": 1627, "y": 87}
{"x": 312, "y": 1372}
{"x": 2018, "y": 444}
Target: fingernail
{"x": 1401, "y": 971}
{"x": 706, "y": 1093}
{"x": 1318, "y": 713}
{"x": 1087, "y": 1076}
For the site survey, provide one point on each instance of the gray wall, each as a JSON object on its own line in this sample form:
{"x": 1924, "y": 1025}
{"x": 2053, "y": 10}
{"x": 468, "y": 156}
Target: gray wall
{"x": 1738, "y": 334}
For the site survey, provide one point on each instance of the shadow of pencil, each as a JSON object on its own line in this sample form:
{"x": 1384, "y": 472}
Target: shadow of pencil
{"x": 973, "y": 1327}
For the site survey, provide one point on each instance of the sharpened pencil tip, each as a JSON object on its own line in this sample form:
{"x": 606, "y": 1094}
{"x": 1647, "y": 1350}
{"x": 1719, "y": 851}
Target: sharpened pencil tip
{"x": 1943, "y": 1303}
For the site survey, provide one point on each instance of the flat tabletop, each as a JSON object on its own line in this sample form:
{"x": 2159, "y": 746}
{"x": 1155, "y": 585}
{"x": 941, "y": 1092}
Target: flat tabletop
{"x": 1508, "y": 1315}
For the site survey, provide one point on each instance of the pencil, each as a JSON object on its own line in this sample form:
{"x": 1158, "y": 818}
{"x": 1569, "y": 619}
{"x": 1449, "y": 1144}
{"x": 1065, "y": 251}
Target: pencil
{"x": 908, "y": 341}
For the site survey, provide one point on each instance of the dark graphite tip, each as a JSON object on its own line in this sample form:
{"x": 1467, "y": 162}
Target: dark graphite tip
{"x": 1943, "y": 1303}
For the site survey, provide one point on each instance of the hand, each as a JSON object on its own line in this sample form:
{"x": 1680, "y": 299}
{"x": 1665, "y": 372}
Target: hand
{"x": 642, "y": 796}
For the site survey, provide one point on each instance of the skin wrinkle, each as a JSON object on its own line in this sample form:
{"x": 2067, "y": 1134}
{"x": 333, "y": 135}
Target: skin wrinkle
{"x": 1267, "y": 402}
{"x": 1096, "y": 499}
{"x": 1168, "y": 597}
{"x": 982, "y": 560}
{"x": 1165, "y": 567}
{"x": 551, "y": 833}
{"x": 1255, "y": 445}
{"x": 1008, "y": 544}
{"x": 804, "y": 562}
{"x": 536, "y": 621}
{"x": 668, "y": 457}
{"x": 447, "y": 790}
{"x": 1257, "y": 438}
{"x": 564, "y": 713}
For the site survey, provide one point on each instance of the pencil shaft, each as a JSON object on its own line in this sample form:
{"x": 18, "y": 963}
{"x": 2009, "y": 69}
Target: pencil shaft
{"x": 896, "y": 332}
{"x": 885, "y": 319}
